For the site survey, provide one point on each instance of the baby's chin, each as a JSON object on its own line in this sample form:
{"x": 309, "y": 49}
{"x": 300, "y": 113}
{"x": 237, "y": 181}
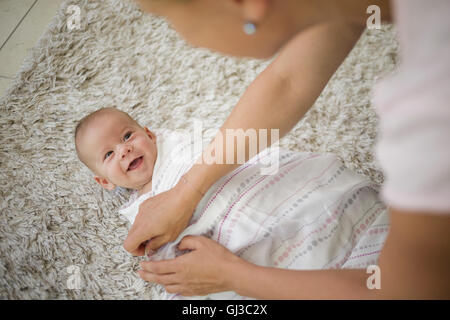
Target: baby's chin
{"x": 140, "y": 179}
{"x": 142, "y": 187}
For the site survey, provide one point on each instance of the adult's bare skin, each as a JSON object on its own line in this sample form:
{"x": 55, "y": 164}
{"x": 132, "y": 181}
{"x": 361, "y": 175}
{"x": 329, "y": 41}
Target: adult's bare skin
{"x": 284, "y": 92}
{"x": 414, "y": 264}
{"x": 314, "y": 37}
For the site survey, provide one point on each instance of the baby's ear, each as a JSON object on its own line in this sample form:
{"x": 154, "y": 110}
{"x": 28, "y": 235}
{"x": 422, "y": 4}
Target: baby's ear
{"x": 150, "y": 134}
{"x": 105, "y": 183}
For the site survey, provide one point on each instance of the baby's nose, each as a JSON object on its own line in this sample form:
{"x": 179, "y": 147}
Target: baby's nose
{"x": 124, "y": 149}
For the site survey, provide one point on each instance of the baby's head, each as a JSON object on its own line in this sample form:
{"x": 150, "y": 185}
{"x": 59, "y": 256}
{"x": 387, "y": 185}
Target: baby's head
{"x": 116, "y": 149}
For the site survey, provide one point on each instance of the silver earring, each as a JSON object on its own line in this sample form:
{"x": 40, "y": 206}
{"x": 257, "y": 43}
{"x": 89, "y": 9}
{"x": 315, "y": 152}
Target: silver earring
{"x": 249, "y": 28}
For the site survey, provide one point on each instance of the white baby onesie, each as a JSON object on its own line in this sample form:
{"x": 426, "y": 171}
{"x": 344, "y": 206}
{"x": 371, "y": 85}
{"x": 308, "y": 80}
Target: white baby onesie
{"x": 169, "y": 167}
{"x": 311, "y": 213}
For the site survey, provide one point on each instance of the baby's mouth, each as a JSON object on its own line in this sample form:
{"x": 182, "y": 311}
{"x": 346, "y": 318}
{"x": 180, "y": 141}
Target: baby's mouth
{"x": 135, "y": 163}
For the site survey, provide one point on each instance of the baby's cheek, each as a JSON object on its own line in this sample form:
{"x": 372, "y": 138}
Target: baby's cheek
{"x": 146, "y": 145}
{"x": 114, "y": 173}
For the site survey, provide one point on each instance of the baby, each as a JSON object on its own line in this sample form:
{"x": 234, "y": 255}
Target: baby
{"x": 313, "y": 213}
{"x": 117, "y": 150}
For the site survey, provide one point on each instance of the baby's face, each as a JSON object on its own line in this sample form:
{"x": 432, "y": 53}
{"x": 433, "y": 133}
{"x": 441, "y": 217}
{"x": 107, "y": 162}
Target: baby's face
{"x": 119, "y": 151}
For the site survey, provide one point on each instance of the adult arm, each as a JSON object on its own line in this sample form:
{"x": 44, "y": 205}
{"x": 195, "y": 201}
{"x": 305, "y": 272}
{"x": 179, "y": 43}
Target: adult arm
{"x": 277, "y": 99}
{"x": 282, "y": 94}
{"x": 414, "y": 264}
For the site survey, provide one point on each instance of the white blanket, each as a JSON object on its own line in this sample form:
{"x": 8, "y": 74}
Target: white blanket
{"x": 313, "y": 213}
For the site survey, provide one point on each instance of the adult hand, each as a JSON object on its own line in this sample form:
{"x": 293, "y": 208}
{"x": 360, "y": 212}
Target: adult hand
{"x": 207, "y": 268}
{"x": 161, "y": 219}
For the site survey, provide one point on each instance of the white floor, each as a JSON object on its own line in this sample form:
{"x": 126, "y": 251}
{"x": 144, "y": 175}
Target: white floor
{"x": 22, "y": 22}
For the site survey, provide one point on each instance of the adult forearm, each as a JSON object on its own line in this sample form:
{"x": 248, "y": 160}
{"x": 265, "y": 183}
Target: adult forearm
{"x": 281, "y": 95}
{"x": 413, "y": 264}
{"x": 274, "y": 283}
{"x": 267, "y": 104}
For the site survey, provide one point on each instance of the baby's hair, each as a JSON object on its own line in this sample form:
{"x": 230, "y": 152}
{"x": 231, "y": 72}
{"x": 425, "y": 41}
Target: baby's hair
{"x": 84, "y": 122}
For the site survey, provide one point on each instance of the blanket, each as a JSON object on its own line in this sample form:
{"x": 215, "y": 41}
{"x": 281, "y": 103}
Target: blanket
{"x": 309, "y": 212}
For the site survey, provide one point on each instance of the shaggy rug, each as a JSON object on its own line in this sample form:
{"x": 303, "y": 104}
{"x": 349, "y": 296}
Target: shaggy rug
{"x": 60, "y": 234}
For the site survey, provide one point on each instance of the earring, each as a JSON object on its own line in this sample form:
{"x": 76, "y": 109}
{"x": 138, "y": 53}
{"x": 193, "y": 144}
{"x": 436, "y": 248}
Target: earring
{"x": 249, "y": 28}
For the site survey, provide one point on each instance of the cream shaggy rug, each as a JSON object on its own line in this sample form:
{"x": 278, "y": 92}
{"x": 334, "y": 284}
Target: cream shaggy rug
{"x": 56, "y": 223}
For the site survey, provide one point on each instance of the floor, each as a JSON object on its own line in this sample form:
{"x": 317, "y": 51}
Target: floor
{"x": 22, "y": 22}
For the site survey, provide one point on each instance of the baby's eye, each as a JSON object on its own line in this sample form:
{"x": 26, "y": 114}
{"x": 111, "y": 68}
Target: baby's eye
{"x": 127, "y": 136}
{"x": 108, "y": 154}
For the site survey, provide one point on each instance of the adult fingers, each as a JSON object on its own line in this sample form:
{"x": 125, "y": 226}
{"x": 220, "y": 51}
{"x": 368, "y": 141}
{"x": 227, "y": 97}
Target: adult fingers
{"x": 139, "y": 251}
{"x": 157, "y": 242}
{"x": 148, "y": 252}
{"x": 163, "y": 279}
{"x": 177, "y": 288}
{"x": 190, "y": 243}
{"x": 135, "y": 241}
{"x": 161, "y": 267}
